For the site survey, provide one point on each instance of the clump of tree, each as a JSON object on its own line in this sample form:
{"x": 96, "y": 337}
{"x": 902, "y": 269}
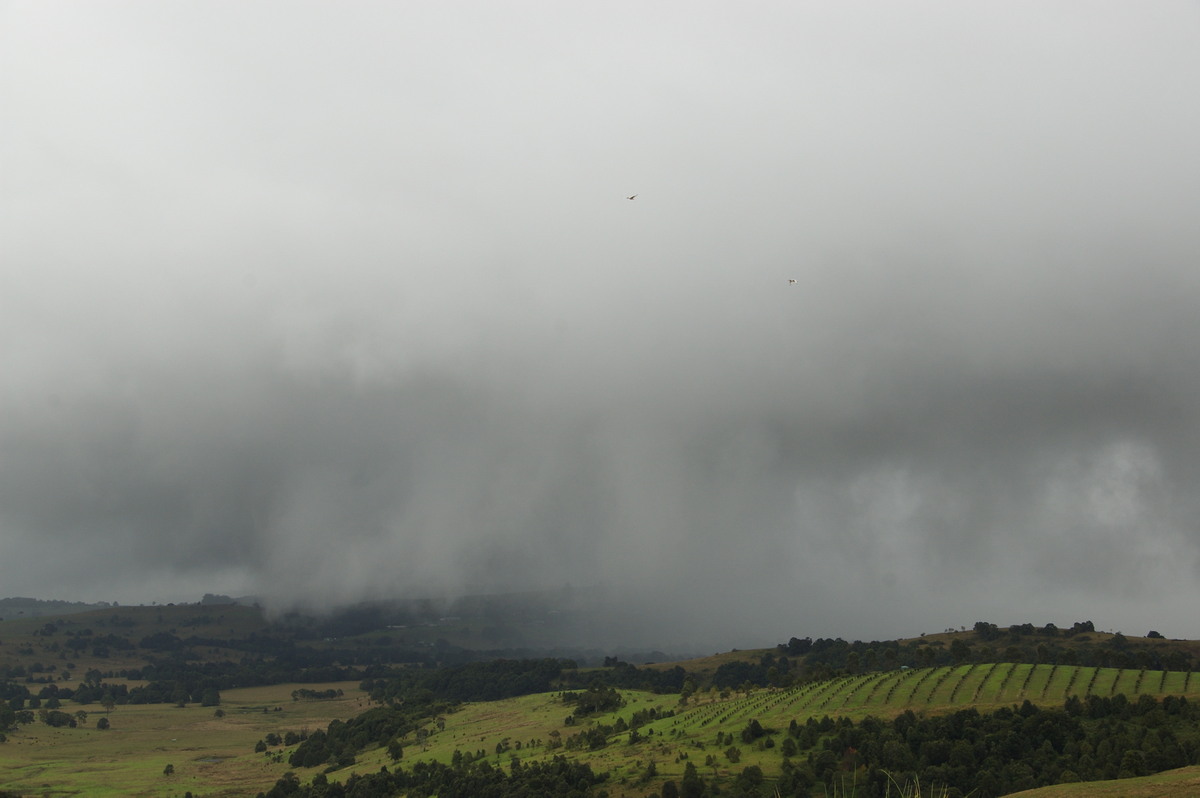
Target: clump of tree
{"x": 754, "y": 731}
{"x": 598, "y": 698}
{"x": 593, "y": 738}
{"x": 54, "y": 717}
{"x": 304, "y": 694}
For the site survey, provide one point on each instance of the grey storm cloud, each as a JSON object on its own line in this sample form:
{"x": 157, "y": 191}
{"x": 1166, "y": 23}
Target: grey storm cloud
{"x": 325, "y": 303}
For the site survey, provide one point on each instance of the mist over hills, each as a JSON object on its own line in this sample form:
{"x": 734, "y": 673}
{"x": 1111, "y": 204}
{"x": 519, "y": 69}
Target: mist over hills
{"x": 30, "y": 607}
{"x": 579, "y": 623}
{"x": 340, "y": 306}
{"x": 410, "y": 691}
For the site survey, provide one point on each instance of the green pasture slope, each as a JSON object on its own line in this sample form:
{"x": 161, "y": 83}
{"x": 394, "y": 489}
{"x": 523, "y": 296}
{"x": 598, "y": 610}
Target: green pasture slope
{"x": 1180, "y": 783}
{"x": 691, "y": 734}
{"x": 984, "y": 686}
{"x": 931, "y": 690}
{"x": 215, "y": 757}
{"x": 209, "y": 756}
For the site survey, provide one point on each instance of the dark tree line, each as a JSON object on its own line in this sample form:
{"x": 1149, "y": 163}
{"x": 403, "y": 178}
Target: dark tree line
{"x": 1023, "y": 643}
{"x": 558, "y": 777}
{"x": 621, "y": 674}
{"x": 474, "y": 681}
{"x": 340, "y": 742}
{"x": 997, "y": 753}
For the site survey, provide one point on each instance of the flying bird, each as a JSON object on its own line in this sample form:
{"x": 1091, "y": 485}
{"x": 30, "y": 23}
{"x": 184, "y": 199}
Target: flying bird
{"x": 634, "y": 196}
{"x": 791, "y": 282}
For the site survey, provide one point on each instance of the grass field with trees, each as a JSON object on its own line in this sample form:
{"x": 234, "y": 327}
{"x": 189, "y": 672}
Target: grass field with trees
{"x": 221, "y": 701}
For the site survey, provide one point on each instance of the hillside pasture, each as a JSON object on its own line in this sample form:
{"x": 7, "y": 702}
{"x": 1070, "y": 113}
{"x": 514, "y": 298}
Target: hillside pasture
{"x": 210, "y": 756}
{"x": 215, "y": 756}
{"x": 1179, "y": 783}
{"x": 693, "y": 732}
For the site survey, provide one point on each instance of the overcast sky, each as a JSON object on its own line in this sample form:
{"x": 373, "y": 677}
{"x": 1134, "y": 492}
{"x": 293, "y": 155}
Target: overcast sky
{"x": 333, "y": 301}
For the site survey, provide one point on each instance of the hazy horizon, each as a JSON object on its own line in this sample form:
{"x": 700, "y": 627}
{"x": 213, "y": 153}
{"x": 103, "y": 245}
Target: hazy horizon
{"x": 329, "y": 303}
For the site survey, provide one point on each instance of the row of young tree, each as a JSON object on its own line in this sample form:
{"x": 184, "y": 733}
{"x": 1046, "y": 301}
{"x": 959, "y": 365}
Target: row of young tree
{"x": 804, "y": 659}
{"x": 964, "y": 753}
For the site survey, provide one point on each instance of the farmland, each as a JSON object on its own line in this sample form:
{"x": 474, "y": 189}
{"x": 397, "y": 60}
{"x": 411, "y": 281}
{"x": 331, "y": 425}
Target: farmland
{"x": 789, "y": 717}
{"x": 208, "y": 755}
{"x": 215, "y": 756}
{"x": 689, "y": 734}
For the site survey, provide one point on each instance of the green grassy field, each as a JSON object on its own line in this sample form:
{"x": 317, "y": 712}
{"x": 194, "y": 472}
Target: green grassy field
{"x": 692, "y": 733}
{"x": 215, "y": 756}
{"x": 211, "y": 756}
{"x": 1181, "y": 783}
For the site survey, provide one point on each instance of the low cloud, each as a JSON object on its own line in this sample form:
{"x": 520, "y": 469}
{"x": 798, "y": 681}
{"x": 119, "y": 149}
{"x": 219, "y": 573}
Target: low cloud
{"x": 367, "y": 348}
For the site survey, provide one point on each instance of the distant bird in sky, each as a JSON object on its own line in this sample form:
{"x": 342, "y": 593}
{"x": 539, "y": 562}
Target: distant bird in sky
{"x": 791, "y": 282}
{"x": 632, "y": 197}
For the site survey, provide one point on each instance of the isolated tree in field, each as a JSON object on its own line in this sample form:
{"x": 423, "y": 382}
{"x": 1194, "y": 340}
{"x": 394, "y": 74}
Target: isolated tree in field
{"x": 107, "y": 701}
{"x": 102, "y": 724}
{"x": 753, "y": 731}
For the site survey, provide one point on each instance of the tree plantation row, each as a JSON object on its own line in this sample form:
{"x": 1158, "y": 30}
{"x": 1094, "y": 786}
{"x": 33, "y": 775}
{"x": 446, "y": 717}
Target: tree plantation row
{"x": 768, "y": 742}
